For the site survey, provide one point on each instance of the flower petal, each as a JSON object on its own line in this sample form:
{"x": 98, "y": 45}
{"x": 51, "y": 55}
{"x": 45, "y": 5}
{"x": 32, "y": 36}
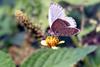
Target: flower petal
{"x": 61, "y": 42}
{"x": 43, "y": 42}
{"x": 54, "y": 47}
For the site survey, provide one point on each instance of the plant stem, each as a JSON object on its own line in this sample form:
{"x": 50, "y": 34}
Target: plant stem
{"x": 75, "y": 40}
{"x": 83, "y": 17}
{"x": 87, "y": 62}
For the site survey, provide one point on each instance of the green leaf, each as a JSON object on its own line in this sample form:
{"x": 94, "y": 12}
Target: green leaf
{"x": 5, "y": 60}
{"x": 96, "y": 59}
{"x": 63, "y": 57}
{"x": 98, "y": 56}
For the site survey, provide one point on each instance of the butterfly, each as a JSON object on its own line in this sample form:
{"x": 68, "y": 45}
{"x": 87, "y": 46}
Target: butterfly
{"x": 61, "y": 25}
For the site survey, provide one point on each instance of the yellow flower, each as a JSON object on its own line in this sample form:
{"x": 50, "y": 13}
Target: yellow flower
{"x": 51, "y": 42}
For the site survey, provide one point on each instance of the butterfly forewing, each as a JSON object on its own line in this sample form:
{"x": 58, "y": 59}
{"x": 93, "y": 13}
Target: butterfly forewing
{"x": 55, "y": 12}
{"x": 59, "y": 23}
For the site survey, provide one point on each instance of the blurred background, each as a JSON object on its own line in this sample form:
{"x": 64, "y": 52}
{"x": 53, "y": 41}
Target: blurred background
{"x": 15, "y": 39}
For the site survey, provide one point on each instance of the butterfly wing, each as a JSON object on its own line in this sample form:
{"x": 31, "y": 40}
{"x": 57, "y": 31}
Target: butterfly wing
{"x": 69, "y": 31}
{"x": 55, "y": 12}
{"x": 63, "y": 28}
{"x": 70, "y": 20}
{"x": 59, "y": 24}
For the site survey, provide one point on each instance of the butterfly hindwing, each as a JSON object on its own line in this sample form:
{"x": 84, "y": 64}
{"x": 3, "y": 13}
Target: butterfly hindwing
{"x": 69, "y": 31}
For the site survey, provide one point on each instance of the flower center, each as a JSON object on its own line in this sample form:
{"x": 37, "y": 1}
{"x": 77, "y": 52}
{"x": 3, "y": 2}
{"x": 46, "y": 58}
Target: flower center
{"x": 52, "y": 41}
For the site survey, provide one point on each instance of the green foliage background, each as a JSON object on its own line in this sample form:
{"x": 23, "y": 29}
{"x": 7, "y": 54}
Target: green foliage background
{"x": 37, "y": 10}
